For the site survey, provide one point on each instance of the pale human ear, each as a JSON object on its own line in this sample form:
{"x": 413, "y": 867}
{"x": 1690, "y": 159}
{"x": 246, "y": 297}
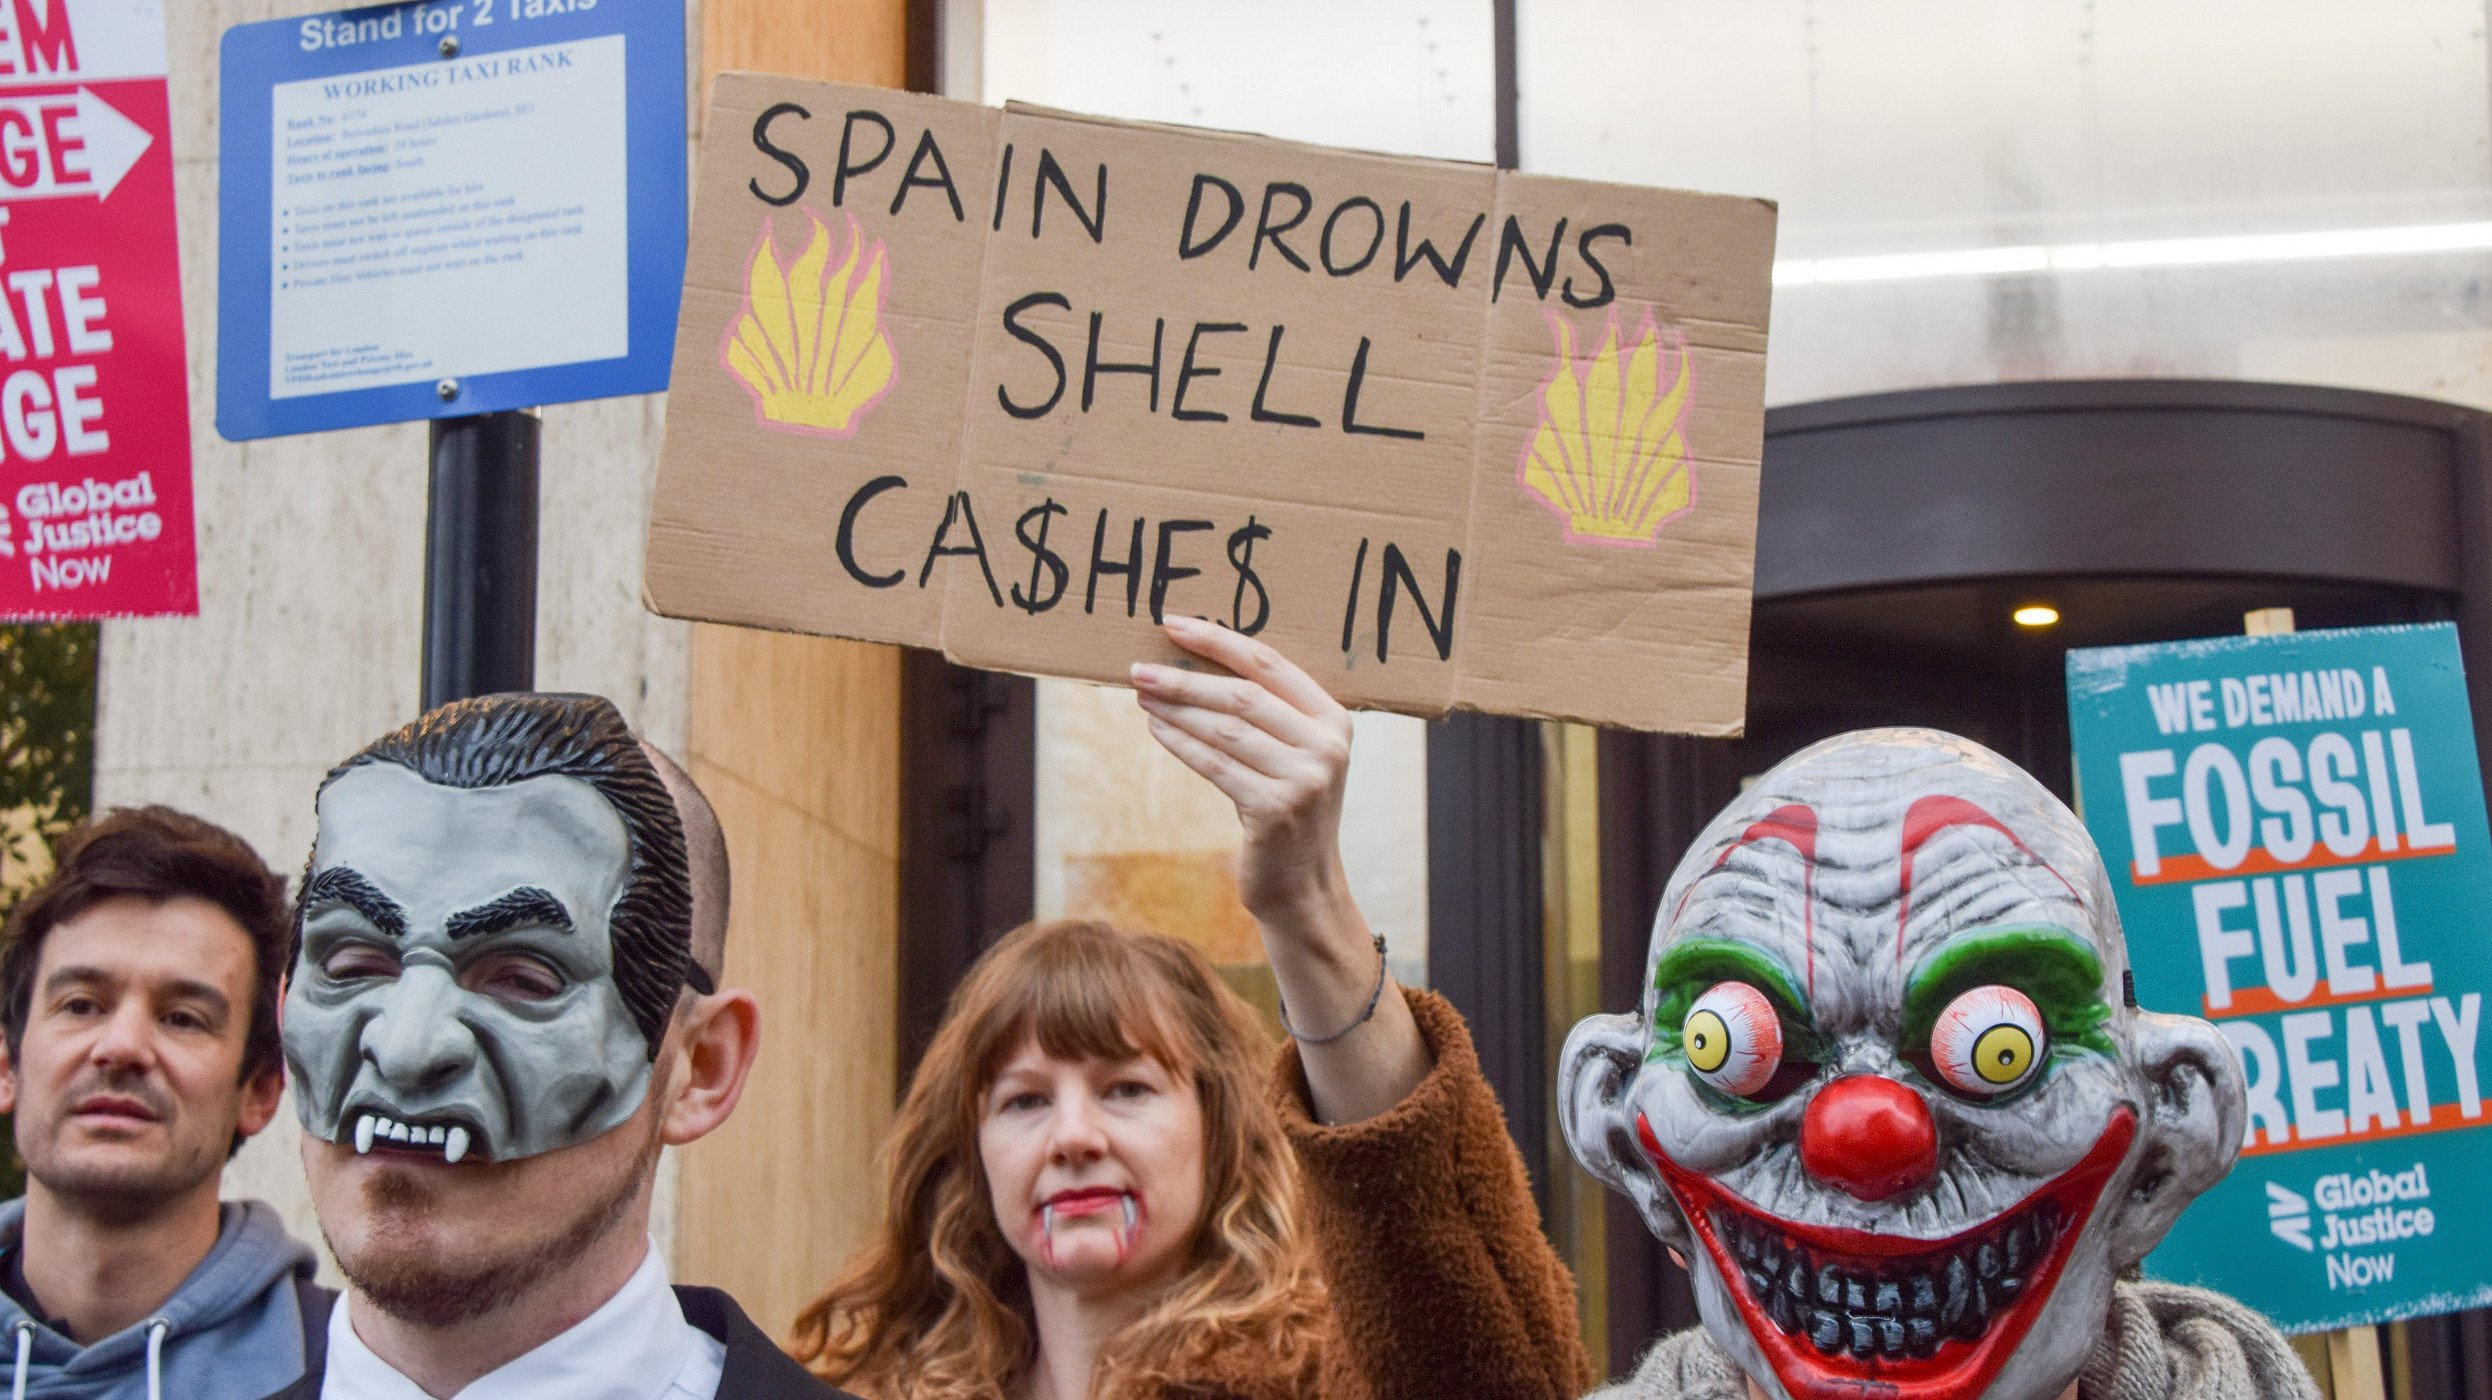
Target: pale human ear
{"x": 260, "y": 1094}
{"x": 8, "y": 1080}
{"x": 2195, "y": 1110}
{"x": 714, "y": 1044}
{"x": 1602, "y": 1057}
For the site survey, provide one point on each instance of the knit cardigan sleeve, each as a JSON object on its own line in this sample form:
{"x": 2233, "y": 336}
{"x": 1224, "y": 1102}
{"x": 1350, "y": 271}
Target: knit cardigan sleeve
{"x": 1441, "y": 1280}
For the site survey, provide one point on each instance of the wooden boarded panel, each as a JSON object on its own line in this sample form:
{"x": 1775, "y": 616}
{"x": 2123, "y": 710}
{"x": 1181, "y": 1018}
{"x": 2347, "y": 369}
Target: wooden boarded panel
{"x": 796, "y": 739}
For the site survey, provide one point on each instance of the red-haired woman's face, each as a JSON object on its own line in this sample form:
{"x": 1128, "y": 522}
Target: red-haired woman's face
{"x": 1095, "y": 1167}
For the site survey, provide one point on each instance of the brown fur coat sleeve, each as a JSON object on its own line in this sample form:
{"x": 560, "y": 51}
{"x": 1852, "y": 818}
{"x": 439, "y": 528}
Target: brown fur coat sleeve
{"x": 1442, "y": 1283}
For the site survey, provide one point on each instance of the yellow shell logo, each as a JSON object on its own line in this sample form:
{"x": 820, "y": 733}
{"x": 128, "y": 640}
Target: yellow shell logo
{"x": 1610, "y": 457}
{"x": 810, "y": 346}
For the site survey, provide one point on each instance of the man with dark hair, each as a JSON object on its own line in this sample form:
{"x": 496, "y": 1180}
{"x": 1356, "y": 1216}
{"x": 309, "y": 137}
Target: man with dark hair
{"x": 503, "y": 1005}
{"x": 138, "y": 997}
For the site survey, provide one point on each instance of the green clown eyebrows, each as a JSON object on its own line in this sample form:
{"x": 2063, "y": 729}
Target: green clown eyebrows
{"x": 2059, "y": 971}
{"x": 1692, "y": 966}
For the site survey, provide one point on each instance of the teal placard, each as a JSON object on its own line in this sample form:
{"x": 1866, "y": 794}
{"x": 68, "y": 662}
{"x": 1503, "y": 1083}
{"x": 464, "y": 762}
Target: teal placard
{"x": 2295, "y": 830}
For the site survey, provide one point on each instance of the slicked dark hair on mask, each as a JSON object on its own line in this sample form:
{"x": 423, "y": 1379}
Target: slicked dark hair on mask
{"x": 496, "y": 740}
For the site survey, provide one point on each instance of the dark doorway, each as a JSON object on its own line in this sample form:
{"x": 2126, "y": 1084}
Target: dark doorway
{"x": 968, "y": 798}
{"x": 1948, "y": 655}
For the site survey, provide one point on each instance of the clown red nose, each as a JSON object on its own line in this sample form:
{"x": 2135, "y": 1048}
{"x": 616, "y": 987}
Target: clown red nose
{"x": 1870, "y": 1136}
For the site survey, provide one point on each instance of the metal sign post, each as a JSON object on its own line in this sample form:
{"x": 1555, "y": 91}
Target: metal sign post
{"x": 452, "y": 211}
{"x": 480, "y": 556}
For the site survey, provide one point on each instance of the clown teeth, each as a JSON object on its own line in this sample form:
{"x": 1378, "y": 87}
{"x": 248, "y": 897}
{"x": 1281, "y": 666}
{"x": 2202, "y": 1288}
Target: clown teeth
{"x": 1893, "y": 1307}
{"x": 454, "y": 1146}
{"x": 363, "y": 1135}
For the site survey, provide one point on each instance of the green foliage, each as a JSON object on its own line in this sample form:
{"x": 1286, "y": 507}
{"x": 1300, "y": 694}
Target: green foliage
{"x": 47, "y": 770}
{"x": 47, "y": 746}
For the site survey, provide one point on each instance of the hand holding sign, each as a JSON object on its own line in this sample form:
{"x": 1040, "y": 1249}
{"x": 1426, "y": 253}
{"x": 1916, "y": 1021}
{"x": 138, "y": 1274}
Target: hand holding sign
{"x": 1270, "y": 739}
{"x": 1276, "y": 745}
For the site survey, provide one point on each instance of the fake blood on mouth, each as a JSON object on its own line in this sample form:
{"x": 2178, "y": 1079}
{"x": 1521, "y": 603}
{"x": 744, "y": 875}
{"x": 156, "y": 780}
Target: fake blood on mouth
{"x": 1840, "y": 1313}
{"x": 1098, "y": 1200}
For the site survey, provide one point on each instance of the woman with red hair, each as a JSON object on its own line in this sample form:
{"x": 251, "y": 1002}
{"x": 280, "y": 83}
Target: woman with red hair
{"x": 1102, "y": 1183}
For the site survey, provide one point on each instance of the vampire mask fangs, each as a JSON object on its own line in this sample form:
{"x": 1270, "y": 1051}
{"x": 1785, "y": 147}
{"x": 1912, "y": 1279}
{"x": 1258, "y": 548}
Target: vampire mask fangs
{"x": 1884, "y": 1091}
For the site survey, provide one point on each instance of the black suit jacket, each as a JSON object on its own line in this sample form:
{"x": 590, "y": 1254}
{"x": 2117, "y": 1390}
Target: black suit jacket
{"x": 756, "y": 1369}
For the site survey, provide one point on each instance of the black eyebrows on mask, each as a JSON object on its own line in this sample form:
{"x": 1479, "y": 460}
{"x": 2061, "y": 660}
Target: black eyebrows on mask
{"x": 526, "y": 905}
{"x": 343, "y": 884}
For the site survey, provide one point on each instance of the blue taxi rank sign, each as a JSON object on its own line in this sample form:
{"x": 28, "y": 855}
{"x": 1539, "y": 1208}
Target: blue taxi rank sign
{"x": 2295, "y": 830}
{"x": 447, "y": 207}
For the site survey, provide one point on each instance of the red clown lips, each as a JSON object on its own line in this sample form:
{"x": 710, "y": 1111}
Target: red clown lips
{"x": 1849, "y": 1315}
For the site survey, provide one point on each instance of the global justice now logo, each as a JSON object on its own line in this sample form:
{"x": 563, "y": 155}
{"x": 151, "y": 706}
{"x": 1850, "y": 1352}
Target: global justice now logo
{"x": 2356, "y": 1215}
{"x": 83, "y": 518}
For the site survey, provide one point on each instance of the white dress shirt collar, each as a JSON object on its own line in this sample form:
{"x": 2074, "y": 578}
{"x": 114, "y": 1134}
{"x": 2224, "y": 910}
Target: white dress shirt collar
{"x": 637, "y": 1346}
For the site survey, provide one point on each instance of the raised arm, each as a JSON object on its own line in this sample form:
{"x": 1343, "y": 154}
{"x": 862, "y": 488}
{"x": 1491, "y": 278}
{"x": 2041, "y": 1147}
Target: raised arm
{"x": 1441, "y": 1280}
{"x": 1278, "y": 746}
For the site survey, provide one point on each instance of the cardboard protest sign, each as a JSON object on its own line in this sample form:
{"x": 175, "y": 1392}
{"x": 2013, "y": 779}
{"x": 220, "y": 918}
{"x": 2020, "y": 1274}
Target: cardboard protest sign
{"x": 2296, "y": 833}
{"x": 1017, "y": 383}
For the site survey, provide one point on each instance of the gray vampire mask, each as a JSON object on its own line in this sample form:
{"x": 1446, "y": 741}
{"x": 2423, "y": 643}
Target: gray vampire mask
{"x": 491, "y": 936}
{"x": 1885, "y": 1091}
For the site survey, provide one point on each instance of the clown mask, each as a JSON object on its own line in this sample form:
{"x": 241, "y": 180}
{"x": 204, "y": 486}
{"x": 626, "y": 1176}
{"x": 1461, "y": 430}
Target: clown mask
{"x": 1885, "y": 1091}
{"x": 491, "y": 934}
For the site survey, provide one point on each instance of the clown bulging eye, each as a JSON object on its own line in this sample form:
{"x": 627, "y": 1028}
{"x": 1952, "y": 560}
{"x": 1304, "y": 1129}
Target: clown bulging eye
{"x": 1733, "y": 1039}
{"x": 1989, "y": 1040}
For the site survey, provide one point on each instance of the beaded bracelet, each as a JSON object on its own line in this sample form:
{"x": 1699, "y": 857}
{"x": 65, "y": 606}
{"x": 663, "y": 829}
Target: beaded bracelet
{"x": 1363, "y": 1017}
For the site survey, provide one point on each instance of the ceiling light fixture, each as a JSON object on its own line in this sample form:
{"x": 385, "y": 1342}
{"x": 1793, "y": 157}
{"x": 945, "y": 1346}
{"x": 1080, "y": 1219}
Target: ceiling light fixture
{"x": 2036, "y": 615}
{"x": 2137, "y": 253}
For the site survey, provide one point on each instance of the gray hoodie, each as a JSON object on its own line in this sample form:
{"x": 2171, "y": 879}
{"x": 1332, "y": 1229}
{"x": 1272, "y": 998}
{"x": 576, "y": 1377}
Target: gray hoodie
{"x": 233, "y": 1329}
